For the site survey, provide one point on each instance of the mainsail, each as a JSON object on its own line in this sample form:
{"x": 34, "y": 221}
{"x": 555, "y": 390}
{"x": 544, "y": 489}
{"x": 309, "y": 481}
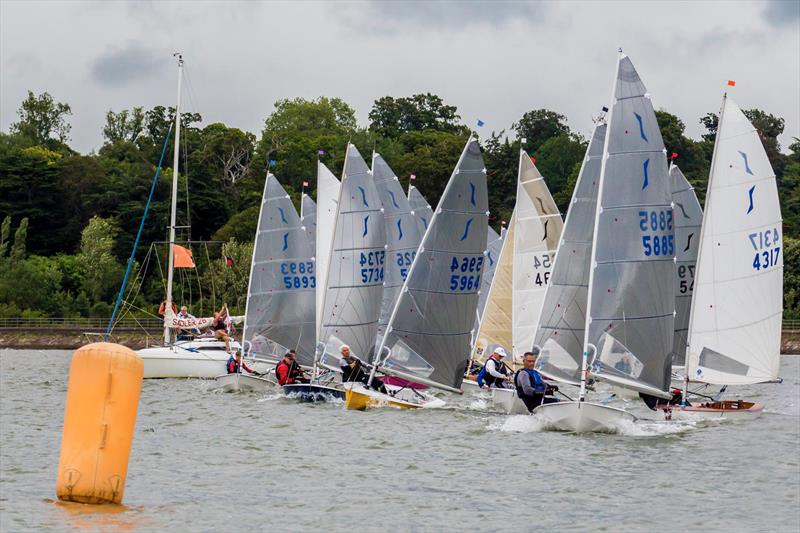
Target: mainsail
{"x": 536, "y": 234}
{"x": 280, "y": 294}
{"x": 428, "y": 335}
{"x": 420, "y": 207}
{"x": 327, "y": 200}
{"x": 403, "y": 236}
{"x": 493, "y": 248}
{"x": 354, "y": 287}
{"x": 687, "y": 216}
{"x": 631, "y": 285}
{"x": 735, "y": 325}
{"x": 496, "y": 322}
{"x": 308, "y": 218}
{"x": 562, "y": 320}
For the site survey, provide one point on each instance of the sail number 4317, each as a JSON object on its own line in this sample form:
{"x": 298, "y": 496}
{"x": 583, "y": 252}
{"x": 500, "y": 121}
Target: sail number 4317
{"x": 465, "y": 273}
{"x": 767, "y": 245}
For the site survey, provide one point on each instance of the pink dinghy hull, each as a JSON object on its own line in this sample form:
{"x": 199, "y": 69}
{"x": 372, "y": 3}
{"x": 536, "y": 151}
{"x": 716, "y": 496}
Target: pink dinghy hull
{"x": 403, "y": 383}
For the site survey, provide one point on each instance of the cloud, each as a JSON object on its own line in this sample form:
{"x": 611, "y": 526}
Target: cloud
{"x": 782, "y": 12}
{"x": 121, "y": 66}
{"x": 381, "y": 15}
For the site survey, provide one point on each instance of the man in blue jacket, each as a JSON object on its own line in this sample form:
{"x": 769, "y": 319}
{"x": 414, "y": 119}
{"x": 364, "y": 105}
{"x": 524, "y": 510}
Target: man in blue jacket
{"x": 530, "y": 386}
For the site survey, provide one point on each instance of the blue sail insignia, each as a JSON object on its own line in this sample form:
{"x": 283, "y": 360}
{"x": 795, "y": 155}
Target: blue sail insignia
{"x": 283, "y": 216}
{"x": 394, "y": 201}
{"x": 363, "y": 196}
{"x": 471, "y": 195}
{"x": 641, "y": 126}
{"x": 645, "y": 168}
{"x": 746, "y": 164}
{"x": 466, "y": 230}
{"x": 750, "y": 194}
{"x": 285, "y": 241}
{"x": 399, "y": 229}
{"x": 366, "y": 226}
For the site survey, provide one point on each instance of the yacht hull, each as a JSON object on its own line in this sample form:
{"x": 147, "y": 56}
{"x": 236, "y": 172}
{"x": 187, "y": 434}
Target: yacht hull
{"x": 582, "y": 417}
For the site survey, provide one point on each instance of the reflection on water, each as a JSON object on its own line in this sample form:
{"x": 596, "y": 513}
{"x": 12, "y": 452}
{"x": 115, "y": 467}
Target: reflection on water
{"x": 207, "y": 461}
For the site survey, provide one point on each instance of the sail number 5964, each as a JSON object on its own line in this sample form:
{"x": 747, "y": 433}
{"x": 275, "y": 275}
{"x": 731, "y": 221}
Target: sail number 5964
{"x": 465, "y": 273}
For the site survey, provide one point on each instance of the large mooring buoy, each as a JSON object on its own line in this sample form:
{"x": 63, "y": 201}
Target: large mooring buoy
{"x": 105, "y": 381}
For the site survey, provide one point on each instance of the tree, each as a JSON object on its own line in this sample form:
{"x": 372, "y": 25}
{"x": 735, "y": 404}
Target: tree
{"x": 392, "y": 117}
{"x": 539, "y": 125}
{"x": 20, "y": 238}
{"x": 558, "y": 159}
{"x": 100, "y": 269}
{"x": 5, "y": 233}
{"x": 124, "y": 126}
{"x": 41, "y": 118}
{"x": 693, "y": 157}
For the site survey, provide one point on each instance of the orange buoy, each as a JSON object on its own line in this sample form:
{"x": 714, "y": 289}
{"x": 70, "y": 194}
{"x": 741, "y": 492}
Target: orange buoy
{"x": 105, "y": 381}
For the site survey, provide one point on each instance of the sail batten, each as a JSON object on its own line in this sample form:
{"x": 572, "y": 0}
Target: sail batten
{"x": 280, "y": 300}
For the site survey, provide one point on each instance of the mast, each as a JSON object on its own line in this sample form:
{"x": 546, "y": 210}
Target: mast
{"x": 173, "y": 213}
{"x": 706, "y": 220}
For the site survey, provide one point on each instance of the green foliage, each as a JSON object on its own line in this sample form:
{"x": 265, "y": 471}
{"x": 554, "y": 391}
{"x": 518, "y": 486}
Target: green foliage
{"x": 229, "y": 283}
{"x": 539, "y": 125}
{"x": 556, "y": 159}
{"x": 392, "y": 117}
{"x": 20, "y": 239}
{"x": 791, "y": 278}
{"x": 100, "y": 271}
{"x": 123, "y": 126}
{"x": 41, "y": 118}
{"x": 5, "y": 233}
{"x": 241, "y": 226}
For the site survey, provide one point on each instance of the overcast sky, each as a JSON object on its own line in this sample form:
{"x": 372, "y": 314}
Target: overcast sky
{"x": 494, "y": 61}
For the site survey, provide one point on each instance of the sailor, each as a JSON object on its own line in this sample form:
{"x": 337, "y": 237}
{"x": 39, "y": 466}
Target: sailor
{"x": 530, "y": 386}
{"x": 495, "y": 371}
{"x": 185, "y": 334}
{"x": 352, "y": 370}
{"x": 235, "y": 364}
{"x": 219, "y": 327}
{"x": 624, "y": 365}
{"x": 288, "y": 371}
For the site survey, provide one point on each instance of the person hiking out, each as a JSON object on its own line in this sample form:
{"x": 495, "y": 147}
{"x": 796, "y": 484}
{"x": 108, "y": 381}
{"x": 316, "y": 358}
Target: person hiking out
{"x": 531, "y": 388}
{"x": 288, "y": 371}
{"x": 495, "y": 372}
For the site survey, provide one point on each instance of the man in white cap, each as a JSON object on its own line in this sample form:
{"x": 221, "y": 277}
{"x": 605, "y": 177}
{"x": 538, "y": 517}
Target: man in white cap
{"x": 495, "y": 370}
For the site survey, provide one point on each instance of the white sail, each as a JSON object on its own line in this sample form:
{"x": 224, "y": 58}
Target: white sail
{"x": 428, "y": 336}
{"x": 403, "y": 235}
{"x": 687, "y": 216}
{"x": 354, "y": 287}
{"x": 631, "y": 302}
{"x": 495, "y": 327}
{"x": 735, "y": 324}
{"x": 494, "y": 245}
{"x": 537, "y": 231}
{"x": 280, "y": 293}
{"x": 562, "y": 320}
{"x": 308, "y": 218}
{"x": 421, "y": 207}
{"x": 327, "y": 200}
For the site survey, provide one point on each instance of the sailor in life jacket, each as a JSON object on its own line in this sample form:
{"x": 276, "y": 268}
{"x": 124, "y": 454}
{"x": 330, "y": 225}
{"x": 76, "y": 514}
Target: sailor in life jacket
{"x": 495, "y": 372}
{"x": 235, "y": 364}
{"x": 288, "y": 371}
{"x": 530, "y": 386}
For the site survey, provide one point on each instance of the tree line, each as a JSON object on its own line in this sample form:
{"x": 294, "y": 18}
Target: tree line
{"x": 70, "y": 219}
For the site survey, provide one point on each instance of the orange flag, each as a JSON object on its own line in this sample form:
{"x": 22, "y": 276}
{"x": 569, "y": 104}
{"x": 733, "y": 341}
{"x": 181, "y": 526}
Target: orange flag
{"x": 183, "y": 257}
{"x": 731, "y": 83}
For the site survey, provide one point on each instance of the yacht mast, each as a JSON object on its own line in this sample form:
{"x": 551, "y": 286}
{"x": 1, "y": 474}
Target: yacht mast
{"x": 175, "y": 161}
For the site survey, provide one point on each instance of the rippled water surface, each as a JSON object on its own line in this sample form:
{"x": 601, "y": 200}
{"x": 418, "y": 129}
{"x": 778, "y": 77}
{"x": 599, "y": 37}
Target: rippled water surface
{"x": 203, "y": 460}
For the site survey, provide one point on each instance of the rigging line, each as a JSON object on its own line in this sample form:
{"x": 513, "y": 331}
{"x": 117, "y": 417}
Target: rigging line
{"x": 138, "y": 281}
{"x": 213, "y": 289}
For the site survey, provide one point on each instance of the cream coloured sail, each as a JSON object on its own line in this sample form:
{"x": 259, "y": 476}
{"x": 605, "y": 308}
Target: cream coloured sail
{"x": 735, "y": 324}
{"x": 537, "y": 232}
{"x": 327, "y": 200}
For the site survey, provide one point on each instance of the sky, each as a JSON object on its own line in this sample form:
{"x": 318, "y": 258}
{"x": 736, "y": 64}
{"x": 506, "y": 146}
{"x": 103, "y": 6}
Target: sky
{"x": 494, "y": 61}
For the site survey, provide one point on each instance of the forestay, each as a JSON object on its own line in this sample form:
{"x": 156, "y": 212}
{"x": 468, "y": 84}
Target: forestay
{"x": 403, "y": 236}
{"x": 687, "y": 216}
{"x": 631, "y": 285}
{"x": 308, "y": 218}
{"x": 327, "y": 200}
{"x": 537, "y": 231}
{"x": 354, "y": 287}
{"x": 420, "y": 207}
{"x": 429, "y": 331}
{"x": 280, "y": 295}
{"x": 735, "y": 326}
{"x": 562, "y": 320}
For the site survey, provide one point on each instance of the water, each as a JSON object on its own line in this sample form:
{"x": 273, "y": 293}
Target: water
{"x": 207, "y": 461}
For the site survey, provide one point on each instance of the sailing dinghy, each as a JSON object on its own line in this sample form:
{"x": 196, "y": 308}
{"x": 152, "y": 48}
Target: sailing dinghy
{"x": 631, "y": 300}
{"x": 734, "y": 332}
{"x": 428, "y": 335}
{"x": 280, "y": 295}
{"x": 530, "y": 248}
{"x": 354, "y": 287}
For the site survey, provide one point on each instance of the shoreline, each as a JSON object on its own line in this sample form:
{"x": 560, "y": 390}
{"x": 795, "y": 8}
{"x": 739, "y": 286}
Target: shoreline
{"x": 72, "y": 339}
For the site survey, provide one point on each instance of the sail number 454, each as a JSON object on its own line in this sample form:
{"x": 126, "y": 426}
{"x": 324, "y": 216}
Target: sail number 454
{"x": 465, "y": 273}
{"x": 767, "y": 247}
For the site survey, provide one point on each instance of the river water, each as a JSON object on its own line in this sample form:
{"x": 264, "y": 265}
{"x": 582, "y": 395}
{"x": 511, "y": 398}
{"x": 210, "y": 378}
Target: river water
{"x": 207, "y": 461}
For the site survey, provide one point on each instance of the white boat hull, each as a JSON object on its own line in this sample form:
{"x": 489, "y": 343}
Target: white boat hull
{"x": 507, "y": 401}
{"x": 243, "y": 382}
{"x": 200, "y": 358}
{"x": 714, "y": 411}
{"x": 582, "y": 417}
